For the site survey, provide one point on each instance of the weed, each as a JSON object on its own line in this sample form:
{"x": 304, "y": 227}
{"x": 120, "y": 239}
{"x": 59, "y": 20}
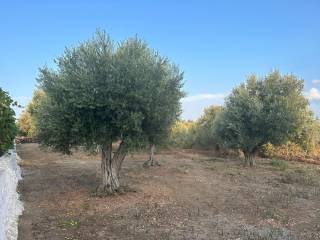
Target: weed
{"x": 69, "y": 223}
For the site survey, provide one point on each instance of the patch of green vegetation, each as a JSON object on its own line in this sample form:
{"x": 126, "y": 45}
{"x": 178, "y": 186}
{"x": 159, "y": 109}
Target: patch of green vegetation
{"x": 69, "y": 223}
{"x": 279, "y": 164}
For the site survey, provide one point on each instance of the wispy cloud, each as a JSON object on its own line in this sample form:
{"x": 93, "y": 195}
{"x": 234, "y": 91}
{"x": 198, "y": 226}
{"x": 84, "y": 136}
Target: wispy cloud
{"x": 204, "y": 96}
{"x": 316, "y": 81}
{"x": 313, "y": 94}
{"x": 193, "y": 106}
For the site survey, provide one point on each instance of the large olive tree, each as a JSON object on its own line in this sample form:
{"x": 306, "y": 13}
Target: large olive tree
{"x": 102, "y": 93}
{"x": 272, "y": 109}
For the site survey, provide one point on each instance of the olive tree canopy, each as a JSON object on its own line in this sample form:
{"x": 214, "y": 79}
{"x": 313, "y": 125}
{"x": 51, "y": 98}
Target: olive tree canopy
{"x": 272, "y": 109}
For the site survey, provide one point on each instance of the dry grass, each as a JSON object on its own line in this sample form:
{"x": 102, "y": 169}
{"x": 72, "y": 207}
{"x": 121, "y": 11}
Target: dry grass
{"x": 193, "y": 195}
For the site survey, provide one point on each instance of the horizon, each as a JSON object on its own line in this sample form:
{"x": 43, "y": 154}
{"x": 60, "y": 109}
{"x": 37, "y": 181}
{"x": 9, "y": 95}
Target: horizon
{"x": 217, "y": 44}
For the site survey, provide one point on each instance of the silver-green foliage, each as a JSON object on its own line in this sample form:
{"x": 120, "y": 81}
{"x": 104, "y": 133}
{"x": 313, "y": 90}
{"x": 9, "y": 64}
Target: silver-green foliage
{"x": 102, "y": 92}
{"x": 272, "y": 109}
{"x": 205, "y": 124}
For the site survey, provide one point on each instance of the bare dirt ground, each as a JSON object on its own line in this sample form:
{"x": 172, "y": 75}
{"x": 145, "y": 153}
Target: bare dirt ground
{"x": 193, "y": 195}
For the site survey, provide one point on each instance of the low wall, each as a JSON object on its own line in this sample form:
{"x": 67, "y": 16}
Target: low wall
{"x": 10, "y": 205}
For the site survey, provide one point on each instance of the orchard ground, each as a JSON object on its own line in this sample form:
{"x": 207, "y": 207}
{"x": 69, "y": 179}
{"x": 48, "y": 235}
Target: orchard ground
{"x": 192, "y": 195}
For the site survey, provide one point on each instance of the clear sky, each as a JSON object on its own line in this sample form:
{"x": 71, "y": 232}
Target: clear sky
{"x": 216, "y": 43}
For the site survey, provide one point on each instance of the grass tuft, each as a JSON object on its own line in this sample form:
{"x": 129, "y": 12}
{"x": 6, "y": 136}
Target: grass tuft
{"x": 279, "y": 164}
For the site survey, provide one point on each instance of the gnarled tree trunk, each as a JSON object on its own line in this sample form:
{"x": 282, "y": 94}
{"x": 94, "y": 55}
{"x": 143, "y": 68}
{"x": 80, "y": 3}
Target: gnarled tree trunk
{"x": 119, "y": 156}
{"x": 110, "y": 167}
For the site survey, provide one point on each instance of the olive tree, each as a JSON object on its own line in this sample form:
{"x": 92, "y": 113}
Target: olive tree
{"x": 268, "y": 110}
{"x": 7, "y": 122}
{"x": 27, "y": 122}
{"x": 206, "y": 122}
{"x": 163, "y": 109}
{"x": 100, "y": 94}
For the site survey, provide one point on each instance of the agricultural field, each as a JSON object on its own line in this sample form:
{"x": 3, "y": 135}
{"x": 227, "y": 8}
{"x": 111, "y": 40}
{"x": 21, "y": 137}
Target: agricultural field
{"x": 162, "y": 120}
{"x": 192, "y": 195}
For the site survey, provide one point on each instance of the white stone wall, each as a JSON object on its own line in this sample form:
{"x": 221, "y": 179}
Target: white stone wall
{"x": 10, "y": 205}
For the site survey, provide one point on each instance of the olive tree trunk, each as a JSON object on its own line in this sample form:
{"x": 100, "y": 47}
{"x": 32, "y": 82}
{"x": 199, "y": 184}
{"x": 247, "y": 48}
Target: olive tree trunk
{"x": 152, "y": 161}
{"x": 110, "y": 167}
{"x": 248, "y": 159}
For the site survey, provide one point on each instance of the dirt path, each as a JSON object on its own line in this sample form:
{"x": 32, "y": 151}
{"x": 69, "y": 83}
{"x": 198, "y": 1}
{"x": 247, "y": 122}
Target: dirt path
{"x": 191, "y": 196}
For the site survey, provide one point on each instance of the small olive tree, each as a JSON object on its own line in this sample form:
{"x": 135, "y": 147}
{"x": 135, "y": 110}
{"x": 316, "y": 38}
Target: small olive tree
{"x": 7, "y": 122}
{"x": 272, "y": 109}
{"x": 163, "y": 109}
{"x": 102, "y": 93}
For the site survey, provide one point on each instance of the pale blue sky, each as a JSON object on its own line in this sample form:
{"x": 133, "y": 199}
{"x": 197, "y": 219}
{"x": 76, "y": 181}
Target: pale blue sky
{"x": 216, "y": 43}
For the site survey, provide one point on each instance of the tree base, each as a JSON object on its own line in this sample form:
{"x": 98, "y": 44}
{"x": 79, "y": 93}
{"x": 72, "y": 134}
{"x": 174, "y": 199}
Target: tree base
{"x": 102, "y": 192}
{"x": 151, "y": 163}
{"x": 248, "y": 161}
